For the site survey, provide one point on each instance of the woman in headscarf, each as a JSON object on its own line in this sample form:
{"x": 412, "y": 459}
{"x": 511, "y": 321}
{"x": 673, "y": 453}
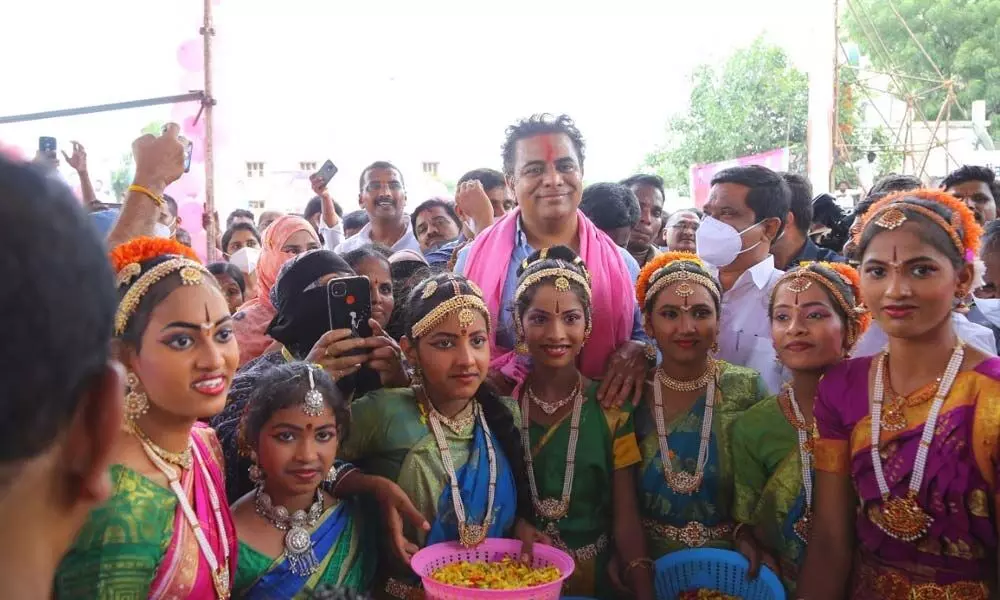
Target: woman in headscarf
{"x": 299, "y": 299}
{"x": 286, "y": 238}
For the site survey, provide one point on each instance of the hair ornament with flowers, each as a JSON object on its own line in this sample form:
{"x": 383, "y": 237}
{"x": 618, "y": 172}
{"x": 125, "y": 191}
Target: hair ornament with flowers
{"x": 962, "y": 228}
{"x": 127, "y": 259}
{"x": 649, "y": 272}
{"x": 141, "y": 249}
{"x": 833, "y": 277}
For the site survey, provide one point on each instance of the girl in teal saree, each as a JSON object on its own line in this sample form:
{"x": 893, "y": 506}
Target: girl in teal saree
{"x": 685, "y": 421}
{"x": 293, "y": 536}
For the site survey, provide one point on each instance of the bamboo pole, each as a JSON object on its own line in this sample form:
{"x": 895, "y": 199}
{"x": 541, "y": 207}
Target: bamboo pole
{"x": 208, "y": 32}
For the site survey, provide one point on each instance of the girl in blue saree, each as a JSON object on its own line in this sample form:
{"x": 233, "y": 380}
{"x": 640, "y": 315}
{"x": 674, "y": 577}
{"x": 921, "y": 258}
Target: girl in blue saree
{"x": 294, "y": 536}
{"x": 449, "y": 441}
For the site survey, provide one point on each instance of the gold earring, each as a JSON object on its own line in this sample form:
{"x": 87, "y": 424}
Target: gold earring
{"x": 136, "y": 402}
{"x": 522, "y": 348}
{"x": 650, "y": 351}
{"x": 715, "y": 347}
{"x": 255, "y": 473}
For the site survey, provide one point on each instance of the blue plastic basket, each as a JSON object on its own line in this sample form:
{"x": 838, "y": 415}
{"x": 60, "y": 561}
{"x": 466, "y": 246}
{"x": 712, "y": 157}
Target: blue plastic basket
{"x": 722, "y": 570}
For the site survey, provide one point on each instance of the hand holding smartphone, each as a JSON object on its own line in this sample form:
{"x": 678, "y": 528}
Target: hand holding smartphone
{"x": 320, "y": 179}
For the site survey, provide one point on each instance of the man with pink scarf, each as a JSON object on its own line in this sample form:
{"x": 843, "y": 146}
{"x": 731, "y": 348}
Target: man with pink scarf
{"x": 543, "y": 164}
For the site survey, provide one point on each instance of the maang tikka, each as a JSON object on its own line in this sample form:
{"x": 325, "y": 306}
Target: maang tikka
{"x": 312, "y": 403}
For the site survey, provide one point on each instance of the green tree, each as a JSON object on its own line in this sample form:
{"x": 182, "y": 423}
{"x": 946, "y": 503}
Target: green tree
{"x": 756, "y": 101}
{"x": 960, "y": 36}
{"x": 122, "y": 176}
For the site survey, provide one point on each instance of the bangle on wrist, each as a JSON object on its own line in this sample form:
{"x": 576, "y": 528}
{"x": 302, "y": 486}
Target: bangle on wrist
{"x": 644, "y": 561}
{"x": 156, "y": 198}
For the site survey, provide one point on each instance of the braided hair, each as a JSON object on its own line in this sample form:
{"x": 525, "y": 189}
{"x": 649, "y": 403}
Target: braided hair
{"x": 424, "y": 298}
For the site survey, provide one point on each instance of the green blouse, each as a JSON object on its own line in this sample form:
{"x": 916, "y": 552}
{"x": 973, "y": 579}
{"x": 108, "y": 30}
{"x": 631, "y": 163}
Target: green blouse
{"x": 738, "y": 389}
{"x": 769, "y": 492}
{"x": 118, "y": 550}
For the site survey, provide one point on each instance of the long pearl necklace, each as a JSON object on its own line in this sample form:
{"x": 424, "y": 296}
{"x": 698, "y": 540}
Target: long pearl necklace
{"x": 683, "y": 482}
{"x": 903, "y": 518}
{"x": 550, "y": 508}
{"x": 804, "y": 524}
{"x": 220, "y": 572}
{"x": 469, "y": 534}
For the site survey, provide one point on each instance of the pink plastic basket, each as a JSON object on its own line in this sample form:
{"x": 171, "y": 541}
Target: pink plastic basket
{"x": 434, "y": 557}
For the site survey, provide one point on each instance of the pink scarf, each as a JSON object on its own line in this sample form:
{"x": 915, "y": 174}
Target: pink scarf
{"x": 250, "y": 323}
{"x": 184, "y": 572}
{"x": 613, "y": 295}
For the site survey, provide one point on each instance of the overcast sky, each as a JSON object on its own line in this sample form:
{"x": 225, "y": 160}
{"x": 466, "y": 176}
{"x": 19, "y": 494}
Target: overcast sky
{"x": 428, "y": 80}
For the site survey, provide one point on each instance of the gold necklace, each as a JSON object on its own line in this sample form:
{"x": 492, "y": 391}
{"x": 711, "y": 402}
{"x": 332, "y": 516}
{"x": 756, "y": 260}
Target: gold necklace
{"x": 902, "y": 517}
{"x": 689, "y": 385}
{"x": 181, "y": 459}
{"x": 470, "y": 534}
{"x": 550, "y": 508}
{"x": 683, "y": 482}
{"x": 550, "y": 408}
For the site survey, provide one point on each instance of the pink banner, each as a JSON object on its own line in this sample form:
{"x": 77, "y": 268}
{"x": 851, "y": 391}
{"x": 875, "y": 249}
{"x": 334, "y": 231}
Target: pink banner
{"x": 701, "y": 175}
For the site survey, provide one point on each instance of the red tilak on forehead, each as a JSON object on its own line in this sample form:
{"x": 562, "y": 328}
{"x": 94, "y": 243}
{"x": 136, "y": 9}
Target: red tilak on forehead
{"x": 550, "y": 149}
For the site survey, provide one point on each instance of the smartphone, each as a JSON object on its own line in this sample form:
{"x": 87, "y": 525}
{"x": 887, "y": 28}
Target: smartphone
{"x": 350, "y": 305}
{"x": 188, "y": 148}
{"x": 47, "y": 146}
{"x": 326, "y": 172}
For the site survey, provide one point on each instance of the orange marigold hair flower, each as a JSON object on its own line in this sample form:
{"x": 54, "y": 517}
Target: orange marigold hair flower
{"x": 968, "y": 231}
{"x": 851, "y": 276}
{"x": 142, "y": 249}
{"x": 660, "y": 261}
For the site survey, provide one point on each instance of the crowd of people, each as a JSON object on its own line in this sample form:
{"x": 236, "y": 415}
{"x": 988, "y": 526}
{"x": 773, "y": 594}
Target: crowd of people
{"x": 544, "y": 361}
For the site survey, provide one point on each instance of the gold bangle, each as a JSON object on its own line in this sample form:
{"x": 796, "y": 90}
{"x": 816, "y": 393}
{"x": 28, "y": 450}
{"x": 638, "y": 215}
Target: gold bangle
{"x": 147, "y": 192}
{"x": 645, "y": 561}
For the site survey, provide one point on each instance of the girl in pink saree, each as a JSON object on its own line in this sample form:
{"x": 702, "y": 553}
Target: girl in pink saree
{"x": 166, "y": 531}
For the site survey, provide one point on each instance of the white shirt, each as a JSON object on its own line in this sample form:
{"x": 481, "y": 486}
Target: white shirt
{"x": 332, "y": 236}
{"x": 974, "y": 334}
{"x": 744, "y": 326}
{"x": 363, "y": 237}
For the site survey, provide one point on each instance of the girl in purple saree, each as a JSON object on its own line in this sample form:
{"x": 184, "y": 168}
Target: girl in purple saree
{"x": 907, "y": 456}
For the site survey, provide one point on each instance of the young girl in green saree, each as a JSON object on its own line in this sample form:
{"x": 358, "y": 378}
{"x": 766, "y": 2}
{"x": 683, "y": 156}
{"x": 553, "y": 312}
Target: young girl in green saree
{"x": 294, "y": 536}
{"x": 573, "y": 503}
{"x": 815, "y": 320}
{"x": 448, "y": 440}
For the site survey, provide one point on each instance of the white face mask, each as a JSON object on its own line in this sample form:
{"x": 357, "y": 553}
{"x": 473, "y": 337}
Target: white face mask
{"x": 719, "y": 243}
{"x": 990, "y": 307}
{"x": 162, "y": 231}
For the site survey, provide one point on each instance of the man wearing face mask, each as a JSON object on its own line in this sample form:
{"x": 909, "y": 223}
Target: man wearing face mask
{"x": 383, "y": 197}
{"x": 168, "y": 221}
{"x": 745, "y": 213}
{"x": 986, "y": 309}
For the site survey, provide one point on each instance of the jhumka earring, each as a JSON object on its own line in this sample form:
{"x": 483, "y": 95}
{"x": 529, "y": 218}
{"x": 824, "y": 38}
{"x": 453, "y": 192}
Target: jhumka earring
{"x": 522, "y": 348}
{"x": 715, "y": 347}
{"x": 650, "y": 351}
{"x": 255, "y": 473}
{"x": 417, "y": 378}
{"x": 136, "y": 401}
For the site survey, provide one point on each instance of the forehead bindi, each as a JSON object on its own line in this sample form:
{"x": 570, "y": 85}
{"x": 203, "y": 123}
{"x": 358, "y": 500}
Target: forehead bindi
{"x": 812, "y": 295}
{"x": 549, "y": 299}
{"x": 901, "y": 245}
